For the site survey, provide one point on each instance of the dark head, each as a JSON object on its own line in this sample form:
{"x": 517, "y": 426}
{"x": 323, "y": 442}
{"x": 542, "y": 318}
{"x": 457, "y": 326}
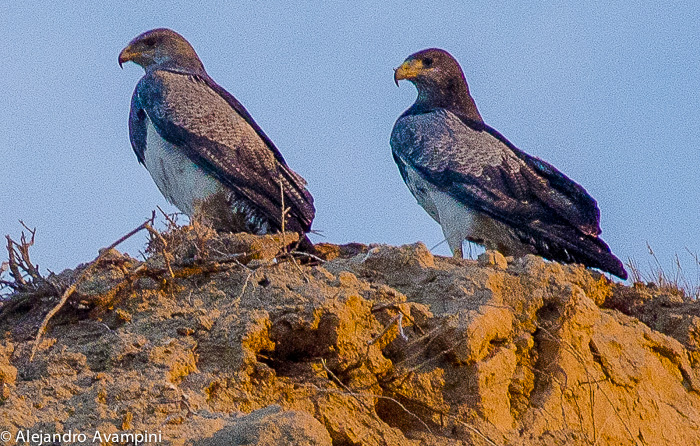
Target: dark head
{"x": 161, "y": 48}
{"x": 440, "y": 82}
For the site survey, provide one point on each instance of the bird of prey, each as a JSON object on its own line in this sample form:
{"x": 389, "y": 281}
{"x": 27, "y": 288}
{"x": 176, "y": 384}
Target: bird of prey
{"x": 203, "y": 149}
{"x": 478, "y": 186}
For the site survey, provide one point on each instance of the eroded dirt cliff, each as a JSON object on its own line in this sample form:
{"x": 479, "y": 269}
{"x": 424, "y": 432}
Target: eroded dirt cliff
{"x": 377, "y": 345}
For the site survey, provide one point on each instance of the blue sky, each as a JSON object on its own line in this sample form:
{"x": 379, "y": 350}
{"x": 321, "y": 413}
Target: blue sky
{"x": 605, "y": 91}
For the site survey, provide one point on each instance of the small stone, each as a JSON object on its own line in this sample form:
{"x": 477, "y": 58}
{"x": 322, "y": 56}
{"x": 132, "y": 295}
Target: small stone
{"x": 8, "y": 374}
{"x": 185, "y": 331}
{"x": 347, "y": 279}
{"x": 494, "y": 259}
{"x": 204, "y": 322}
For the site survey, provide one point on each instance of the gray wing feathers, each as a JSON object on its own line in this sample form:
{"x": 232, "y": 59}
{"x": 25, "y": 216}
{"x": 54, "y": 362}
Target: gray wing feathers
{"x": 482, "y": 170}
{"x": 437, "y": 141}
{"x": 190, "y": 114}
{"x": 478, "y": 169}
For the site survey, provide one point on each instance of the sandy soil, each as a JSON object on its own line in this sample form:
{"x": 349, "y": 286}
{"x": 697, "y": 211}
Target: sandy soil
{"x": 377, "y": 345}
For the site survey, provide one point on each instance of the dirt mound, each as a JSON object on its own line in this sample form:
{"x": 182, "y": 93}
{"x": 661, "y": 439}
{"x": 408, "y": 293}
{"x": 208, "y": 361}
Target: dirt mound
{"x": 231, "y": 340}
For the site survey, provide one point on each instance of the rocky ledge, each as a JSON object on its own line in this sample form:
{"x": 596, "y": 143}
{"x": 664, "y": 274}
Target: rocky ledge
{"x": 224, "y": 340}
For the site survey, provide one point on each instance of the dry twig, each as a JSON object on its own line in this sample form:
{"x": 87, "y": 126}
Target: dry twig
{"x": 245, "y": 284}
{"x": 369, "y": 409}
{"x": 572, "y": 350}
{"x": 25, "y": 275}
{"x": 71, "y": 289}
{"x": 164, "y": 246}
{"x": 357, "y": 396}
{"x": 13, "y": 264}
{"x": 23, "y": 247}
{"x": 396, "y": 320}
{"x": 171, "y": 221}
{"x": 310, "y": 256}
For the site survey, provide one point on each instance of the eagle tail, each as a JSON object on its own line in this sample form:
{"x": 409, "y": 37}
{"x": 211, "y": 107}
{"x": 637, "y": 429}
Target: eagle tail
{"x": 588, "y": 250}
{"x": 605, "y": 261}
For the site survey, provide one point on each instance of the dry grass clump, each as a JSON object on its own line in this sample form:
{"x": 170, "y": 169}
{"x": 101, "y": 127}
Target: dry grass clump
{"x": 679, "y": 280}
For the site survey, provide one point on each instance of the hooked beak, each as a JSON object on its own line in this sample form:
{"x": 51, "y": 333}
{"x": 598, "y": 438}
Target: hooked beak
{"x": 408, "y": 70}
{"x": 126, "y": 55}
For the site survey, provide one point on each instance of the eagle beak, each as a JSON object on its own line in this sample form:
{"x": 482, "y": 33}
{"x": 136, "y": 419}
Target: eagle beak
{"x": 408, "y": 70}
{"x": 126, "y": 55}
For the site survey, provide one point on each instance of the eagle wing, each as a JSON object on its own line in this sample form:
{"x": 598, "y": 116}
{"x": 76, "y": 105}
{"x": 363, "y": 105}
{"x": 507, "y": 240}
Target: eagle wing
{"x": 215, "y": 131}
{"x": 480, "y": 168}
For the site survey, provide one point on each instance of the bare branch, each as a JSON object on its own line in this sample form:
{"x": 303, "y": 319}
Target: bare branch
{"x": 171, "y": 221}
{"x": 71, "y": 289}
{"x": 245, "y": 285}
{"x": 23, "y": 247}
{"x": 13, "y": 262}
{"x": 306, "y": 254}
{"x": 164, "y": 249}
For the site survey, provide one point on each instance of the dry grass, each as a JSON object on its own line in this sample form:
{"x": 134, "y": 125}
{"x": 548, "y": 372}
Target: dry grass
{"x": 680, "y": 280}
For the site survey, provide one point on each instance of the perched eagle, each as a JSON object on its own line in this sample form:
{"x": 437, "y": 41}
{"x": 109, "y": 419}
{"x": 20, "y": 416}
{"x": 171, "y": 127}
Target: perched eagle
{"x": 480, "y": 187}
{"x": 203, "y": 149}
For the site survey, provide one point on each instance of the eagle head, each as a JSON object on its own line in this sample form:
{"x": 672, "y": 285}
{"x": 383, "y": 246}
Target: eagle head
{"x": 161, "y": 48}
{"x": 429, "y": 67}
{"x": 440, "y": 82}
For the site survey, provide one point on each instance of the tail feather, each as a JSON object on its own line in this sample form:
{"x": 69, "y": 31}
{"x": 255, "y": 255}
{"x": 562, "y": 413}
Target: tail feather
{"x": 564, "y": 245}
{"x": 603, "y": 260}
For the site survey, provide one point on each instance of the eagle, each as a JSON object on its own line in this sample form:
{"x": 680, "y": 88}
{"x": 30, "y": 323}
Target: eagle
{"x": 478, "y": 186}
{"x": 203, "y": 149}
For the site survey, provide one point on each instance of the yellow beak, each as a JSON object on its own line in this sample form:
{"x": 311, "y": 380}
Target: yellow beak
{"x": 126, "y": 55}
{"x": 408, "y": 70}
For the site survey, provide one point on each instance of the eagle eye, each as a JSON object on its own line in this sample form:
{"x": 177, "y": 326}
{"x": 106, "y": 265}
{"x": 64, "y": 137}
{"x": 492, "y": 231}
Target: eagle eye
{"x": 428, "y": 62}
{"x": 149, "y": 42}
